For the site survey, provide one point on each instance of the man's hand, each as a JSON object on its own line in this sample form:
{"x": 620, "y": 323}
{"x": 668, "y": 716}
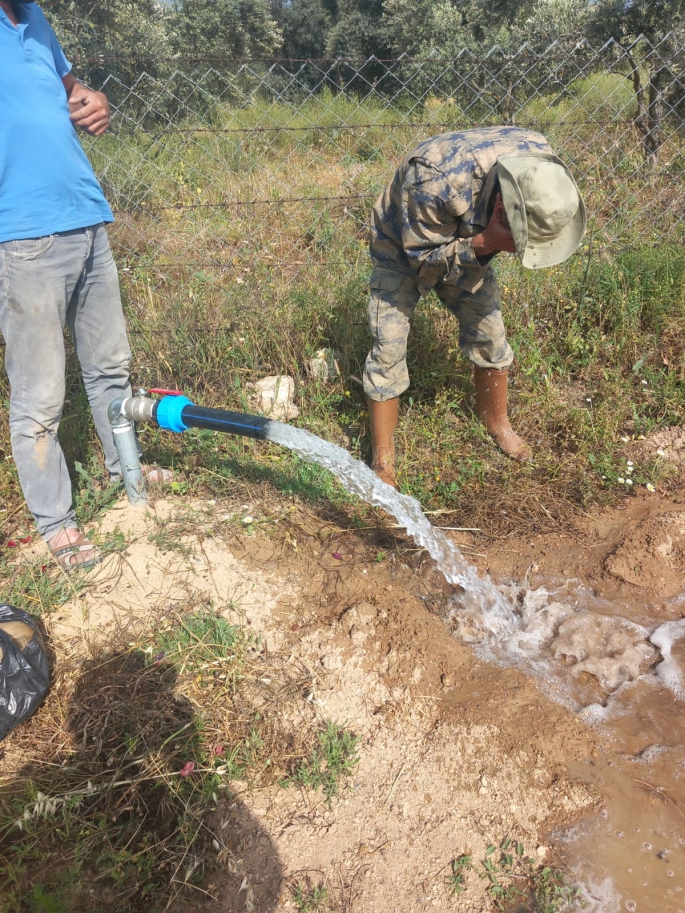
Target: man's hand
{"x": 88, "y": 110}
{"x": 497, "y": 236}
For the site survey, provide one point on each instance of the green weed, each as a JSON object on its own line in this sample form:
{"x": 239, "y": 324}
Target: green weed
{"x": 167, "y": 539}
{"x": 91, "y": 497}
{"x": 515, "y": 882}
{"x": 112, "y": 543}
{"x": 330, "y": 764}
{"x": 202, "y": 638}
{"x": 310, "y": 899}
{"x": 458, "y": 869}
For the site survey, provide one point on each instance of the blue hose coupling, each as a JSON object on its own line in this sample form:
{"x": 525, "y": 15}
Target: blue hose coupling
{"x": 169, "y": 413}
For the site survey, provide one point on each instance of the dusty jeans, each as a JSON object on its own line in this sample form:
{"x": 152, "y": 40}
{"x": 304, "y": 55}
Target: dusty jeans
{"x": 46, "y": 283}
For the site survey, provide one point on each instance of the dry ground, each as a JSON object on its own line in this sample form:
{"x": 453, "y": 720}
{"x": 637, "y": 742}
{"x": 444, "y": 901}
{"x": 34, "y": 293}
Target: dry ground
{"x": 455, "y": 754}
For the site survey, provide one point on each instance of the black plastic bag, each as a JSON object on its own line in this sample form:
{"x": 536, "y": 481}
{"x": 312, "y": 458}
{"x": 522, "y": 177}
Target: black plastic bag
{"x": 24, "y": 673}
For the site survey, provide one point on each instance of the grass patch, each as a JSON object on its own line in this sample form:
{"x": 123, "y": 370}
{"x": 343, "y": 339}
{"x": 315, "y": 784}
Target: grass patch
{"x": 310, "y": 899}
{"x": 92, "y": 497}
{"x": 124, "y": 794}
{"x": 515, "y": 882}
{"x": 330, "y": 764}
{"x": 37, "y": 585}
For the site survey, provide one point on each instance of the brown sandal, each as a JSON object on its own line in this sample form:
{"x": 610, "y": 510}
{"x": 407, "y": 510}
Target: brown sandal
{"x": 79, "y": 555}
{"x": 155, "y": 475}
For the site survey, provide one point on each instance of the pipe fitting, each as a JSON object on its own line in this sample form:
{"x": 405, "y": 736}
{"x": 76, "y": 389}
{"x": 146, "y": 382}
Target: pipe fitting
{"x": 169, "y": 413}
{"x": 126, "y": 443}
{"x": 139, "y": 408}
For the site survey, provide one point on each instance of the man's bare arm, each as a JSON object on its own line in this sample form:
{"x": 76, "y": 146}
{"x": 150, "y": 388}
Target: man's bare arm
{"x": 88, "y": 110}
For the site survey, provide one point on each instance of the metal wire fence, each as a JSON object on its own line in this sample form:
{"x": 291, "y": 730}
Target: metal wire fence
{"x": 257, "y": 173}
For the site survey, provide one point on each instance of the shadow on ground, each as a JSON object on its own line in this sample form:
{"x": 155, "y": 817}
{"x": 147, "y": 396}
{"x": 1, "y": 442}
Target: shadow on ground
{"x": 121, "y": 811}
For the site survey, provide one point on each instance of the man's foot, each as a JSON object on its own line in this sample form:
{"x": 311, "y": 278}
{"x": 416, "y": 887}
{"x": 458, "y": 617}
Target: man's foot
{"x": 509, "y": 442}
{"x": 73, "y": 550}
{"x": 383, "y": 464}
{"x": 155, "y": 475}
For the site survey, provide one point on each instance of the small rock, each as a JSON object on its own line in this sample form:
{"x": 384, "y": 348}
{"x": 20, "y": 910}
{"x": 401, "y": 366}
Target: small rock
{"x": 273, "y": 396}
{"x": 541, "y": 851}
{"x": 357, "y": 636}
{"x": 325, "y": 365}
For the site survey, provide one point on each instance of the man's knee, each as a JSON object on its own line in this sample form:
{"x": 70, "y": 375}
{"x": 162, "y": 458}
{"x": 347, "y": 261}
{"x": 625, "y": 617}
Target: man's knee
{"x": 486, "y": 344}
{"x": 34, "y": 426}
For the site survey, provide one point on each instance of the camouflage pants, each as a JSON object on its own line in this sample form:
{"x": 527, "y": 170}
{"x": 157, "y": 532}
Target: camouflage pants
{"x": 392, "y": 303}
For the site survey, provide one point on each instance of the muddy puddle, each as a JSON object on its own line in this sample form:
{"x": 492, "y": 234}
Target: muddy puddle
{"x": 602, "y": 632}
{"x": 632, "y": 857}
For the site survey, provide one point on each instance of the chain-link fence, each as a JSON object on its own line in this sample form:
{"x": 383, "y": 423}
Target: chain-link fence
{"x": 245, "y": 178}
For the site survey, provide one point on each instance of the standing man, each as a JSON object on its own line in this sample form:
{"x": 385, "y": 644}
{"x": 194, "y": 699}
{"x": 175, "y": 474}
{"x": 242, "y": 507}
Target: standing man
{"x": 456, "y": 202}
{"x": 56, "y": 269}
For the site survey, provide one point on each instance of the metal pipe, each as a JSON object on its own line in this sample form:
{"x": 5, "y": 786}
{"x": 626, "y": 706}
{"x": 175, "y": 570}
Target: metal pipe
{"x": 178, "y": 413}
{"x": 124, "y": 434}
{"x": 173, "y": 413}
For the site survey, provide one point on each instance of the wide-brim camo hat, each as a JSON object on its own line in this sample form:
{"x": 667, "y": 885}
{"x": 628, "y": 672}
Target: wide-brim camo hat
{"x": 543, "y": 205}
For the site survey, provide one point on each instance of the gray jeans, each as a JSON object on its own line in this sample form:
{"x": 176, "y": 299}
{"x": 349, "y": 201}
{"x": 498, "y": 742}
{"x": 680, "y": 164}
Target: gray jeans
{"x": 46, "y": 283}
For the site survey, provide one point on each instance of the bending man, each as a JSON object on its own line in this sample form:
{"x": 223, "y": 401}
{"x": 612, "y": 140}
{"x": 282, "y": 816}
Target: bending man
{"x": 456, "y": 202}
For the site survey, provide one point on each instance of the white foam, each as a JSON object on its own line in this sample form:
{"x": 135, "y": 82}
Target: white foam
{"x": 614, "y": 650}
{"x": 599, "y": 897}
{"x": 555, "y": 634}
{"x": 668, "y": 671}
{"x": 650, "y": 754}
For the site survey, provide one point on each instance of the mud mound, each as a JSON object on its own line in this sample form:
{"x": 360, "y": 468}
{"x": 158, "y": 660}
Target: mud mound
{"x": 652, "y": 555}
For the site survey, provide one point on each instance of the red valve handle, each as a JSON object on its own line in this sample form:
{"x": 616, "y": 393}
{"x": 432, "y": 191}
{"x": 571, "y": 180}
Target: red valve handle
{"x": 162, "y": 392}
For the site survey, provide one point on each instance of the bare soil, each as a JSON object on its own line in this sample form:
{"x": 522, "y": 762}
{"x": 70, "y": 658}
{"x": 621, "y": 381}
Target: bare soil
{"x": 455, "y": 753}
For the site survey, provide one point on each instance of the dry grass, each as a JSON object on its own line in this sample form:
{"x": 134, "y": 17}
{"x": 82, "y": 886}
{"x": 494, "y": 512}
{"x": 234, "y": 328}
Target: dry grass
{"x": 109, "y": 791}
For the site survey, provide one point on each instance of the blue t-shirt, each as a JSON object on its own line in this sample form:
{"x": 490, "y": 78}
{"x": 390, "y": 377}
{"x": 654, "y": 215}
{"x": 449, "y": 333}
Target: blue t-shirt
{"x": 46, "y": 182}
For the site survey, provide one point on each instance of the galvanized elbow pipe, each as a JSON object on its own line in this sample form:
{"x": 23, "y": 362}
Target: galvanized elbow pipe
{"x": 124, "y": 434}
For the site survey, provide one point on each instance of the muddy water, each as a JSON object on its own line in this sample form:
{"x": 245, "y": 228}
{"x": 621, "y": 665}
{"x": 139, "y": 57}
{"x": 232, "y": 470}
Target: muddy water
{"x": 620, "y": 667}
{"x": 632, "y": 856}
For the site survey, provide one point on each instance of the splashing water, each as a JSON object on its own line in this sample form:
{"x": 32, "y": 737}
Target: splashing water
{"x": 547, "y": 634}
{"x": 480, "y": 594}
{"x": 510, "y": 625}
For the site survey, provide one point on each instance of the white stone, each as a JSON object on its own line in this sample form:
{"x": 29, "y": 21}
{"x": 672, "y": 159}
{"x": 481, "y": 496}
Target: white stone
{"x": 273, "y": 396}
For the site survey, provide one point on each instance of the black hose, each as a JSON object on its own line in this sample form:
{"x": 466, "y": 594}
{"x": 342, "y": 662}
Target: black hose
{"x": 222, "y": 420}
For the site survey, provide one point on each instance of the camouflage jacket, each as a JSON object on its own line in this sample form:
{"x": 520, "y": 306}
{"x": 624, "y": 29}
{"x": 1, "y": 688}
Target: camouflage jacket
{"x": 441, "y": 196}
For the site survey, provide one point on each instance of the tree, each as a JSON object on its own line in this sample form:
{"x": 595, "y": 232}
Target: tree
{"x": 507, "y": 40}
{"x": 656, "y": 64}
{"x": 223, "y": 28}
{"x": 358, "y": 32}
{"x": 106, "y": 37}
{"x": 305, "y": 25}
